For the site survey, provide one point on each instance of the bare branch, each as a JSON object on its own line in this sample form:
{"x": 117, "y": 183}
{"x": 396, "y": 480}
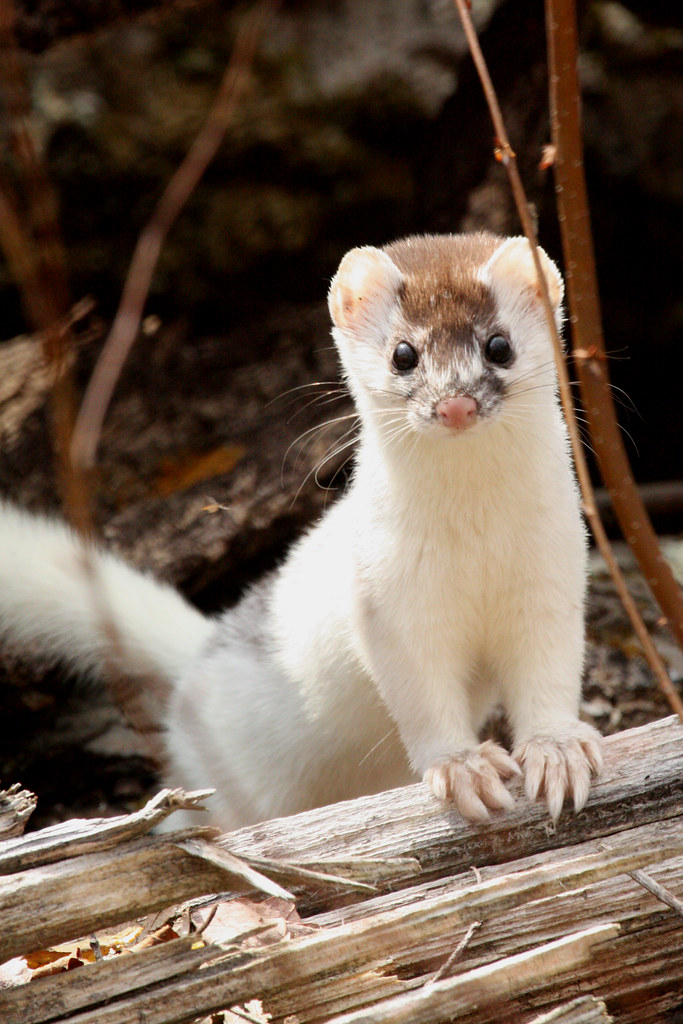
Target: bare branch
{"x": 588, "y": 343}
{"x": 127, "y": 322}
{"x": 506, "y": 155}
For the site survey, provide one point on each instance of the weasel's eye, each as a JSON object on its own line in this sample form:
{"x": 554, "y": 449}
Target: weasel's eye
{"x": 405, "y": 357}
{"x": 498, "y": 350}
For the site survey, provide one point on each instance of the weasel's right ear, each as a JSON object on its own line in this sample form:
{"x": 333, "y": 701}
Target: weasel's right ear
{"x": 512, "y": 265}
{"x": 363, "y": 289}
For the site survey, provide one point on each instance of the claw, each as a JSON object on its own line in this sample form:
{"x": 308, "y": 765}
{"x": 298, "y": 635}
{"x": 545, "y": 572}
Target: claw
{"x": 504, "y": 763}
{"x": 473, "y": 781}
{"x": 556, "y": 767}
{"x": 592, "y": 748}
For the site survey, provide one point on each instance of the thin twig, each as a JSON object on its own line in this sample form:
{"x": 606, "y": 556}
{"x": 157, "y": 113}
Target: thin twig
{"x": 36, "y": 257}
{"x": 456, "y": 955}
{"x": 179, "y": 189}
{"x": 506, "y": 155}
{"x": 657, "y": 890}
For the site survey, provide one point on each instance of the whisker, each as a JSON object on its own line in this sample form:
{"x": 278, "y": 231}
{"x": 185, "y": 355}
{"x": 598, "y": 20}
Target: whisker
{"x": 531, "y": 387}
{"x": 624, "y": 400}
{"x": 309, "y": 435}
{"x": 334, "y": 454}
{"x": 315, "y": 470}
{"x": 303, "y": 387}
{"x": 376, "y": 746}
{"x": 320, "y": 400}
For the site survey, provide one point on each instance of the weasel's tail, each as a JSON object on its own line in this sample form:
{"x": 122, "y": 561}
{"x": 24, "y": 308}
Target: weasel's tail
{"x": 111, "y": 618}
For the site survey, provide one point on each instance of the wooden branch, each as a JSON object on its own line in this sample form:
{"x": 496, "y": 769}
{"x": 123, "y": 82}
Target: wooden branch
{"x": 33, "y": 243}
{"x": 587, "y": 339}
{"x": 658, "y": 890}
{"x": 125, "y": 327}
{"x": 92, "y": 835}
{"x": 663, "y": 498}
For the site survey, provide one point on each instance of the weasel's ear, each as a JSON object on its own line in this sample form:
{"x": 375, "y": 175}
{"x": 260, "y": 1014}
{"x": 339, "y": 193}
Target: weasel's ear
{"x": 366, "y": 283}
{"x": 513, "y": 264}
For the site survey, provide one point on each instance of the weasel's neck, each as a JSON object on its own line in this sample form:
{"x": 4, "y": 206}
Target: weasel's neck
{"x": 475, "y": 466}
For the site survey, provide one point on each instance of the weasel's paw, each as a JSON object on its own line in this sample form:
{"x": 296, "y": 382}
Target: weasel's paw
{"x": 472, "y": 780}
{"x": 561, "y": 765}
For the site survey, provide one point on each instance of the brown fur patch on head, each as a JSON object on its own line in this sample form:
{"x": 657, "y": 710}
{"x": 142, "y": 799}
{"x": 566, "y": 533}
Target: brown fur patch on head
{"x": 441, "y": 292}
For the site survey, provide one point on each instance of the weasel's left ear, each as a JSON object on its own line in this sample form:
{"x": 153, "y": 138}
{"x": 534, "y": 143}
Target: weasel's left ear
{"x": 363, "y": 289}
{"x": 513, "y": 264}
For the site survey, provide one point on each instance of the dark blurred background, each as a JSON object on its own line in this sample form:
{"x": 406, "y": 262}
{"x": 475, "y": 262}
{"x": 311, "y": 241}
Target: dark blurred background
{"x": 364, "y": 121}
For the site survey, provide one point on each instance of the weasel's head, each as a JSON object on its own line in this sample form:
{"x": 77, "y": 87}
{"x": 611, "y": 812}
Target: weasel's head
{"x": 443, "y": 333}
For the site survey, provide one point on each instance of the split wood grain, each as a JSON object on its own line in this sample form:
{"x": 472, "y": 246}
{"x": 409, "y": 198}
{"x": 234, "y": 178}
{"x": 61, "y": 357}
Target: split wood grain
{"x": 585, "y": 1010}
{"x": 453, "y": 998}
{"x": 44, "y": 1000}
{"x": 297, "y": 973}
{"x": 90, "y": 835}
{"x": 641, "y": 975}
{"x": 61, "y": 901}
{"x": 16, "y": 807}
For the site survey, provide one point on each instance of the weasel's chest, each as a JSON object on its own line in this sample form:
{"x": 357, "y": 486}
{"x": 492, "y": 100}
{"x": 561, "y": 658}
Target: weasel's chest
{"x": 436, "y": 569}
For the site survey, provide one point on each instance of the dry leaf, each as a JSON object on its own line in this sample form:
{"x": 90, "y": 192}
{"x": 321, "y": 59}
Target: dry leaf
{"x": 237, "y": 920}
{"x": 41, "y": 957}
{"x": 65, "y": 963}
{"x": 181, "y": 473}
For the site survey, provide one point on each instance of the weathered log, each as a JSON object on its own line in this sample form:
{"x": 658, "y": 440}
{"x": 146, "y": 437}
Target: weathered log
{"x": 16, "y": 807}
{"x": 642, "y": 782}
{"x": 389, "y": 946}
{"x": 351, "y": 965}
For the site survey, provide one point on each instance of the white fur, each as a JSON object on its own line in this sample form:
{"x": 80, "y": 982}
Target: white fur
{"x": 450, "y": 577}
{"x": 50, "y": 603}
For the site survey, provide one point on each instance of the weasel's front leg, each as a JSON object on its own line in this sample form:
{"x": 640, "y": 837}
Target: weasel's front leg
{"x": 422, "y": 689}
{"x": 558, "y": 753}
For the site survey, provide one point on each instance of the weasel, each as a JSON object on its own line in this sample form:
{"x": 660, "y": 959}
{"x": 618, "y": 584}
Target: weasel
{"x": 450, "y": 577}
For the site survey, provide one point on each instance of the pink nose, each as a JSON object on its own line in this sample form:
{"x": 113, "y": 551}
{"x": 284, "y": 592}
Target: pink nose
{"x": 458, "y": 412}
